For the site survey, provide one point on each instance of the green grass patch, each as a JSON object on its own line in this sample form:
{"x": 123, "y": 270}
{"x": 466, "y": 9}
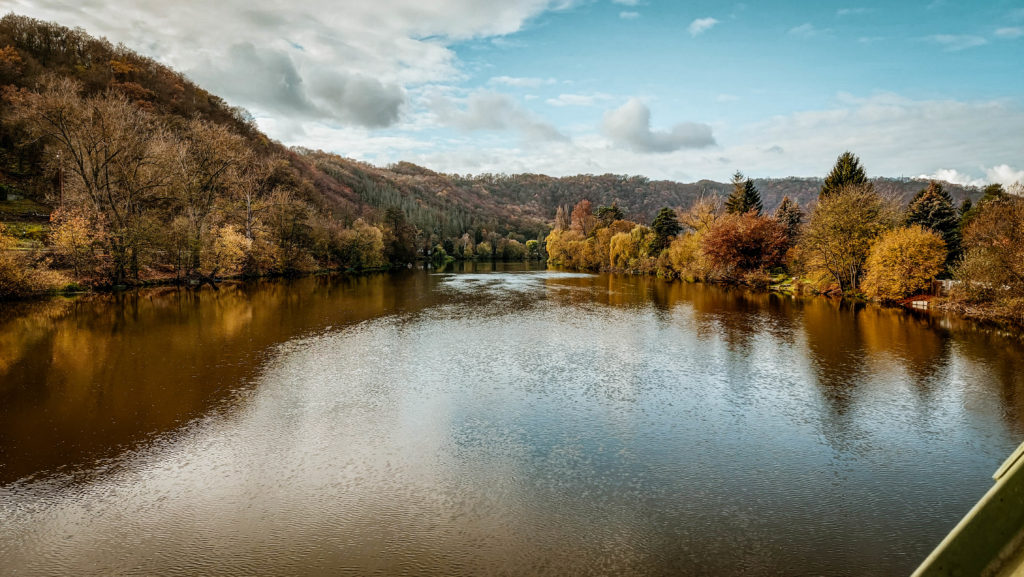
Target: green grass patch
{"x": 28, "y": 234}
{"x": 23, "y": 207}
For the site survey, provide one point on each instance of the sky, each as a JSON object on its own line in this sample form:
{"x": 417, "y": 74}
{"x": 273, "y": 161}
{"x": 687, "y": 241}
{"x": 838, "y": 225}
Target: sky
{"x": 666, "y": 89}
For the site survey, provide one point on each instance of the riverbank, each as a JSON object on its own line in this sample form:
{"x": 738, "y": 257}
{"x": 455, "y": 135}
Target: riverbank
{"x": 79, "y": 288}
{"x": 1003, "y": 317}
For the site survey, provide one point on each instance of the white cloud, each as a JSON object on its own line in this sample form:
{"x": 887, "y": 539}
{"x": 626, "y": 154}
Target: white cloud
{"x": 957, "y": 42}
{"x": 1012, "y": 32}
{"x": 630, "y": 126}
{"x": 1004, "y": 175}
{"x": 805, "y": 30}
{"x": 851, "y": 11}
{"x": 578, "y": 99}
{"x": 629, "y": 15}
{"x": 493, "y": 111}
{"x": 521, "y": 82}
{"x": 318, "y": 75}
{"x": 894, "y": 136}
{"x": 313, "y": 61}
{"x": 626, "y": 2}
{"x": 954, "y": 176}
{"x": 727, "y": 98}
{"x": 701, "y": 25}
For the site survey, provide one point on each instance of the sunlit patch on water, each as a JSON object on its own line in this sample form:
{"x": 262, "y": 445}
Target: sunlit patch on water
{"x": 506, "y": 284}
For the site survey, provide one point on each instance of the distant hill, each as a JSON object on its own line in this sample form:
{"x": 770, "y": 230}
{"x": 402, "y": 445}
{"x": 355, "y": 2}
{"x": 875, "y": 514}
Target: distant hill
{"x": 805, "y": 190}
{"x": 526, "y": 197}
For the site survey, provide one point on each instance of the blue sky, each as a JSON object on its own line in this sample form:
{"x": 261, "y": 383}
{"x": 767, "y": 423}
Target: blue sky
{"x": 679, "y": 90}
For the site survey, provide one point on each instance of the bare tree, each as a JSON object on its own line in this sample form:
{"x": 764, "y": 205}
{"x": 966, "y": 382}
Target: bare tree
{"x": 115, "y": 156}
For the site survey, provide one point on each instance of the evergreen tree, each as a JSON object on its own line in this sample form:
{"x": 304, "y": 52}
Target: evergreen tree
{"x": 665, "y": 225}
{"x": 791, "y": 216}
{"x": 965, "y": 207}
{"x": 847, "y": 171}
{"x": 744, "y": 197}
{"x": 609, "y": 214}
{"x": 993, "y": 191}
{"x": 932, "y": 208}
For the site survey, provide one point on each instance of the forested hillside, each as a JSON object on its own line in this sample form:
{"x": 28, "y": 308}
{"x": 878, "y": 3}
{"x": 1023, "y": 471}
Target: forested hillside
{"x": 641, "y": 198}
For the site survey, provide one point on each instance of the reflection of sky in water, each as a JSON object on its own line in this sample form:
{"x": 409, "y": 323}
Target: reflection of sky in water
{"x": 552, "y": 439}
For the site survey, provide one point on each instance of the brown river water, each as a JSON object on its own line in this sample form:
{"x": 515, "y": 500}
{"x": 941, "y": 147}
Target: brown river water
{"x": 491, "y": 420}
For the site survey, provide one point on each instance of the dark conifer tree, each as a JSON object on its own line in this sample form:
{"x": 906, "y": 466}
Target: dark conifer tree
{"x": 665, "y": 225}
{"x": 847, "y": 171}
{"x": 744, "y": 197}
{"x": 990, "y": 193}
{"x": 609, "y": 214}
{"x": 791, "y": 216}
{"x": 965, "y": 207}
{"x": 932, "y": 208}
{"x": 993, "y": 191}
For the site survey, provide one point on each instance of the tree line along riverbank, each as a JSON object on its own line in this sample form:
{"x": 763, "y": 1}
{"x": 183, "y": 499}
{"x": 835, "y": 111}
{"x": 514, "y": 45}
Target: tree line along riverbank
{"x": 853, "y": 241}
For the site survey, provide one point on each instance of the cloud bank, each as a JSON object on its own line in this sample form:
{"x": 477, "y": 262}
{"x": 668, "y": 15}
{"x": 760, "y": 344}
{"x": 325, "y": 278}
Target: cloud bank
{"x": 494, "y": 111}
{"x": 312, "y": 60}
{"x": 630, "y": 126}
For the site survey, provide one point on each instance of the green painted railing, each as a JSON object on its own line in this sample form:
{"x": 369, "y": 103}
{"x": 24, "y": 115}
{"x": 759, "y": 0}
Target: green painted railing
{"x": 989, "y": 540}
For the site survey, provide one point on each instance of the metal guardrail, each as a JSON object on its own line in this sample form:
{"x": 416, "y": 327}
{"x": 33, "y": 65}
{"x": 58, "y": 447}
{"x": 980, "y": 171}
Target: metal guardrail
{"x": 989, "y": 540}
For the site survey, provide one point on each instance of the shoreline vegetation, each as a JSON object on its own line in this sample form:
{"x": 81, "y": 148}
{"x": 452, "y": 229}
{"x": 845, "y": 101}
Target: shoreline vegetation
{"x": 118, "y": 172}
{"x": 854, "y": 242}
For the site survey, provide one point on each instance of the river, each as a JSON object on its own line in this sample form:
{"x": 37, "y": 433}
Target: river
{"x": 491, "y": 420}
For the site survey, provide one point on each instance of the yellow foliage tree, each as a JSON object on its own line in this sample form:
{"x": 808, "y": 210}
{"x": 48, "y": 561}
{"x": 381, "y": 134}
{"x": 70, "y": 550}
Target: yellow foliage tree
{"x": 361, "y": 246}
{"x": 19, "y": 276}
{"x": 902, "y": 262}
{"x": 838, "y": 237}
{"x": 73, "y": 238}
{"x": 631, "y": 250}
{"x": 686, "y": 260}
{"x": 226, "y": 251}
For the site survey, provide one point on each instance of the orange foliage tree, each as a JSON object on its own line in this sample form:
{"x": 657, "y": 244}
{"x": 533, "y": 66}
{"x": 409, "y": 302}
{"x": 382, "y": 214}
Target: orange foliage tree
{"x": 740, "y": 243}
